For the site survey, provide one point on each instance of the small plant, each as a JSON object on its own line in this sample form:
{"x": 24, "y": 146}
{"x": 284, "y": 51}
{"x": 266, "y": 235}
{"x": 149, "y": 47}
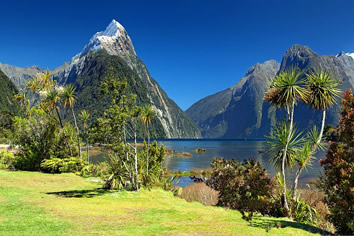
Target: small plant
{"x": 304, "y": 213}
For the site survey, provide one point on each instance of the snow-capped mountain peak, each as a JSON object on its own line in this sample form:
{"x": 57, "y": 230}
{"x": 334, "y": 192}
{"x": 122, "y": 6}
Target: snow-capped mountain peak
{"x": 114, "y": 39}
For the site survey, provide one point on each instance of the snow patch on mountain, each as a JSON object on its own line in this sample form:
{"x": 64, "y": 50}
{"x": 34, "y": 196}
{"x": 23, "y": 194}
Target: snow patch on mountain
{"x": 350, "y": 54}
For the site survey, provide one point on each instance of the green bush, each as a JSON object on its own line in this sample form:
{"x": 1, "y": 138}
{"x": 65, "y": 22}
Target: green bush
{"x": 52, "y": 165}
{"x": 101, "y": 170}
{"x": 73, "y": 164}
{"x": 7, "y": 159}
{"x": 57, "y": 165}
{"x": 244, "y": 186}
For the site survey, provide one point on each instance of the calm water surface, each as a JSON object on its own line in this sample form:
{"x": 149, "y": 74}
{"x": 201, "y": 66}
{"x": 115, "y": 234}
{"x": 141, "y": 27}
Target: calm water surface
{"x": 228, "y": 149}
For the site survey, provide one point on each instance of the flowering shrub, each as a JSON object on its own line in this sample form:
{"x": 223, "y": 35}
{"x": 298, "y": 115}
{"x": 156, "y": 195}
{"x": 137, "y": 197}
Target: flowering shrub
{"x": 244, "y": 186}
{"x": 337, "y": 180}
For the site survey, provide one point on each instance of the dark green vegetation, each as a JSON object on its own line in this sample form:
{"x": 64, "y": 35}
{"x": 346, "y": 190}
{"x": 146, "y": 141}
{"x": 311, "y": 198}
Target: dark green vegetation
{"x": 7, "y": 92}
{"x": 8, "y": 107}
{"x": 241, "y": 112}
{"x": 337, "y": 180}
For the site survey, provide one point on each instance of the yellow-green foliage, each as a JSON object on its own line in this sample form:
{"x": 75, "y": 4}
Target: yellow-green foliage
{"x": 7, "y": 159}
{"x": 46, "y": 204}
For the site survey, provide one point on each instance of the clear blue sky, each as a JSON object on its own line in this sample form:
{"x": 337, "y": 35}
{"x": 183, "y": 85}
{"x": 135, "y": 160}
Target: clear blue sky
{"x": 192, "y": 48}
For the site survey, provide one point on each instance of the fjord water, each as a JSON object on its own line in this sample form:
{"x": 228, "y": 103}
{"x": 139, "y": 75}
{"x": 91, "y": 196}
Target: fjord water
{"x": 228, "y": 149}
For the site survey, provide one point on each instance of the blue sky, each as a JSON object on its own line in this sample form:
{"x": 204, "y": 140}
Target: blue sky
{"x": 192, "y": 48}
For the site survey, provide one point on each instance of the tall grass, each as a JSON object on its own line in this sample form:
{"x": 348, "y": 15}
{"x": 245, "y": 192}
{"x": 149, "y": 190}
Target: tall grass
{"x": 200, "y": 192}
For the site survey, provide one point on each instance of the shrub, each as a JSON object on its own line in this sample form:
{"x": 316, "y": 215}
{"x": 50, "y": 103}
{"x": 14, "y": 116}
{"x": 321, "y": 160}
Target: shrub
{"x": 7, "y": 159}
{"x": 52, "y": 165}
{"x": 57, "y": 165}
{"x": 338, "y": 176}
{"x": 244, "y": 186}
{"x": 39, "y": 137}
{"x": 72, "y": 164}
{"x": 96, "y": 170}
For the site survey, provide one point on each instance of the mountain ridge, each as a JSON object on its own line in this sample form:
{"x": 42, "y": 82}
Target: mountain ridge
{"x": 247, "y": 115}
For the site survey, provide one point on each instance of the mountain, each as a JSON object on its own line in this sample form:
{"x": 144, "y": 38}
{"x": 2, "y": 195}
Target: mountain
{"x": 113, "y": 48}
{"x": 7, "y": 92}
{"x": 240, "y": 111}
{"x": 237, "y": 111}
{"x": 20, "y": 75}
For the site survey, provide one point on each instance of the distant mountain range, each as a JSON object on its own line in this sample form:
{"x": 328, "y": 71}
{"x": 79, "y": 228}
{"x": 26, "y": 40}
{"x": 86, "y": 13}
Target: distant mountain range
{"x": 241, "y": 112}
{"x": 236, "y": 112}
{"x": 113, "y": 48}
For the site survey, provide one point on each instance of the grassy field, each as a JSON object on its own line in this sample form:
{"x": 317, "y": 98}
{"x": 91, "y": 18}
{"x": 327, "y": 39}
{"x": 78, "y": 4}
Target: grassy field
{"x": 33, "y": 203}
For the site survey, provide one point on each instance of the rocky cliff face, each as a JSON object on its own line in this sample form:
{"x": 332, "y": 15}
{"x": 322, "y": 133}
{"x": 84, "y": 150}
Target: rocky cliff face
{"x": 20, "y": 75}
{"x": 237, "y": 111}
{"x": 240, "y": 112}
{"x": 116, "y": 42}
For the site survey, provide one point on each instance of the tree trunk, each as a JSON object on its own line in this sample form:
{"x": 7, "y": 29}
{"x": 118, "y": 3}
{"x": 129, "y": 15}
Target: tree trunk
{"x": 66, "y": 138}
{"x": 286, "y": 206}
{"x": 136, "y": 159}
{"x": 296, "y": 181}
{"x": 147, "y": 152}
{"x": 78, "y": 132}
{"x": 322, "y": 127}
{"x": 87, "y": 150}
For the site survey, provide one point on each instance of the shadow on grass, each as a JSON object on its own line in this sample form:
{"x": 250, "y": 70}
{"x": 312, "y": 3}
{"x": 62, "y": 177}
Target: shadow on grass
{"x": 269, "y": 224}
{"x": 81, "y": 193}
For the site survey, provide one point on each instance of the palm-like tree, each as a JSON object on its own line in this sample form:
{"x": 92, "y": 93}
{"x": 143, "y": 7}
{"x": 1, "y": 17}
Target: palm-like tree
{"x": 304, "y": 156}
{"x": 69, "y": 99}
{"x": 84, "y": 115}
{"x": 146, "y": 117}
{"x": 286, "y": 90}
{"x": 52, "y": 99}
{"x": 323, "y": 93}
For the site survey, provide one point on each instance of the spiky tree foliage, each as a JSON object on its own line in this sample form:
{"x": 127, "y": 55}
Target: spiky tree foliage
{"x": 146, "y": 116}
{"x": 323, "y": 93}
{"x": 286, "y": 90}
{"x": 278, "y": 140}
{"x": 69, "y": 99}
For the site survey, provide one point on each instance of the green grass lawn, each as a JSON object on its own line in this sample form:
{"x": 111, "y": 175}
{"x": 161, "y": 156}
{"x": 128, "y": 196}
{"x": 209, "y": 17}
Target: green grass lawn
{"x": 33, "y": 203}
